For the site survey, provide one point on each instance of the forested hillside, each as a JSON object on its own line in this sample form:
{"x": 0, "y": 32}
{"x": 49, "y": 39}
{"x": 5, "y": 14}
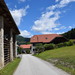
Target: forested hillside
{"x": 22, "y": 40}
{"x": 70, "y": 34}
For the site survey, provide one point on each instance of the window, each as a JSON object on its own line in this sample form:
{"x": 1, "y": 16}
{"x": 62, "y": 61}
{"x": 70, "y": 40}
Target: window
{"x": 46, "y": 38}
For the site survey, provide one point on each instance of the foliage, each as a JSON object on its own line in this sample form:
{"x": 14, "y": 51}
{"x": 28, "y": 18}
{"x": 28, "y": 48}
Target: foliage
{"x": 69, "y": 43}
{"x": 49, "y": 46}
{"x": 39, "y": 44}
{"x": 22, "y": 40}
{"x": 39, "y": 49}
{"x": 19, "y": 50}
{"x": 63, "y": 57}
{"x": 10, "y": 68}
{"x": 28, "y": 51}
{"x": 60, "y": 45}
{"x": 70, "y": 34}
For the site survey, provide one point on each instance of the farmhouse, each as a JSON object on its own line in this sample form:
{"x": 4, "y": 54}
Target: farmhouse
{"x": 26, "y": 48}
{"x": 46, "y": 39}
{"x": 8, "y": 32}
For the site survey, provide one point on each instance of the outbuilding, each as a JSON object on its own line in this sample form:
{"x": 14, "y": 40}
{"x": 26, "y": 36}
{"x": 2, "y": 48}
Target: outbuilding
{"x": 8, "y": 32}
{"x": 26, "y": 48}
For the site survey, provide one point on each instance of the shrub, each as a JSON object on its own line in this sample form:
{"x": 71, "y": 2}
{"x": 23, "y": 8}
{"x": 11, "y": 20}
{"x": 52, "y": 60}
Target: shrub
{"x": 60, "y": 45}
{"x": 19, "y": 50}
{"x": 49, "y": 46}
{"x": 65, "y": 43}
{"x": 39, "y": 44}
{"x": 70, "y": 43}
{"x": 28, "y": 51}
{"x": 39, "y": 49}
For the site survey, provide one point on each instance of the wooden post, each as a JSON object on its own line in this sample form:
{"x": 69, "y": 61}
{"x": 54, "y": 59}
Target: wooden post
{"x": 11, "y": 45}
{"x": 1, "y": 42}
{"x": 16, "y": 48}
{"x": 31, "y": 51}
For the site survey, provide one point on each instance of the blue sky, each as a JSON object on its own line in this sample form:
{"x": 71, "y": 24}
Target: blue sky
{"x": 34, "y": 17}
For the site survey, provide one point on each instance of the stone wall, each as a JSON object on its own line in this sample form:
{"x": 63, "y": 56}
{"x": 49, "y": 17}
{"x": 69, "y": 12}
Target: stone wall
{"x": 1, "y": 42}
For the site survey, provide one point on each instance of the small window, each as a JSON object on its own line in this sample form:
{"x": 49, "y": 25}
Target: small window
{"x": 46, "y": 38}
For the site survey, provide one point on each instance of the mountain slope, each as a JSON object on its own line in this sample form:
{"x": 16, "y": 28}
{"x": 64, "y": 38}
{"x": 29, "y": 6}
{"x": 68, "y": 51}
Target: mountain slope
{"x": 22, "y": 40}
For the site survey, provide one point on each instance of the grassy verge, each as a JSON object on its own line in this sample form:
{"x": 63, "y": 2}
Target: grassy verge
{"x": 63, "y": 58}
{"x": 10, "y": 67}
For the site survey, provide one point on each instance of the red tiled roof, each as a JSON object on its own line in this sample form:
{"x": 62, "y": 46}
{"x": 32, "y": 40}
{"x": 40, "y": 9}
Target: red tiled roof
{"x": 26, "y": 46}
{"x": 44, "y": 38}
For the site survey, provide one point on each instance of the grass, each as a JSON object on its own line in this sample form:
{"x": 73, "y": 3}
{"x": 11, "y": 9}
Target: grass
{"x": 10, "y": 67}
{"x": 63, "y": 58}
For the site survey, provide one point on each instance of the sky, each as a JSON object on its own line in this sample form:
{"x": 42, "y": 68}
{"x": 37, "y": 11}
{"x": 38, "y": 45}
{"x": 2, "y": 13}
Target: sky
{"x": 36, "y": 17}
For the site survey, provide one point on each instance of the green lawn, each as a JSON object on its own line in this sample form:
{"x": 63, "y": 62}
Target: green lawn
{"x": 10, "y": 68}
{"x": 63, "y": 58}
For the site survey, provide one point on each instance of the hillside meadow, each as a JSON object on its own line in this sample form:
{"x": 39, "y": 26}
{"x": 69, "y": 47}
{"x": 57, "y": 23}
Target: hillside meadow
{"x": 63, "y": 58}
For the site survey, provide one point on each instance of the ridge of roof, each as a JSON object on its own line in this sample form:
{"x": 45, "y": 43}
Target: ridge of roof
{"x": 42, "y": 38}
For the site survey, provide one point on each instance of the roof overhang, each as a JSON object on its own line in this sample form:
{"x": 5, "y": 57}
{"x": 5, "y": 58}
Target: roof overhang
{"x": 4, "y": 11}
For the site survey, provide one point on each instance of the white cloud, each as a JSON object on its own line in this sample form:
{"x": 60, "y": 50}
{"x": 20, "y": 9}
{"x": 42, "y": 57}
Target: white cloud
{"x": 56, "y": 0}
{"x": 60, "y": 32}
{"x": 56, "y": 28}
{"x": 70, "y": 27}
{"x": 62, "y": 27}
{"x": 15, "y": 6}
{"x": 46, "y": 22}
{"x": 65, "y": 2}
{"x": 61, "y": 4}
{"x": 25, "y": 33}
{"x": 19, "y": 13}
{"x": 22, "y": 0}
{"x": 46, "y": 33}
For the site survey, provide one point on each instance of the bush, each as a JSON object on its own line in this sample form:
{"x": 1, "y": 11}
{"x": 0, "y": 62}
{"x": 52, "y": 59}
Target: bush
{"x": 39, "y": 44}
{"x": 65, "y": 43}
{"x": 39, "y": 49}
{"x": 69, "y": 43}
{"x": 28, "y": 51}
{"x": 49, "y": 46}
{"x": 19, "y": 50}
{"x": 60, "y": 45}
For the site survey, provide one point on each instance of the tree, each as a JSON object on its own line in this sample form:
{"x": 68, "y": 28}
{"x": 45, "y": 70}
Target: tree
{"x": 70, "y": 34}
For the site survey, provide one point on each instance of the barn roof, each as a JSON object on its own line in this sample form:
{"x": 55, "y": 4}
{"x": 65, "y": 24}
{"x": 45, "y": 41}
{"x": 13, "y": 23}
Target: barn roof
{"x": 4, "y": 11}
{"x": 26, "y": 46}
{"x": 44, "y": 38}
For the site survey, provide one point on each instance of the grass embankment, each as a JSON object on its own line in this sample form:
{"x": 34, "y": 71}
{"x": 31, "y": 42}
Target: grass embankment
{"x": 63, "y": 58}
{"x": 10, "y": 67}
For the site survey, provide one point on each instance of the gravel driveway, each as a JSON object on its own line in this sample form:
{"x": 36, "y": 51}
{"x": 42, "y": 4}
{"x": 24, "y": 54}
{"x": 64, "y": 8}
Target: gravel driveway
{"x": 31, "y": 65}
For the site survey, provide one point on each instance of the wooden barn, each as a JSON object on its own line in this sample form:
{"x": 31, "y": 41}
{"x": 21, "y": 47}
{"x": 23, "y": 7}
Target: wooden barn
{"x": 46, "y": 39}
{"x": 8, "y": 32}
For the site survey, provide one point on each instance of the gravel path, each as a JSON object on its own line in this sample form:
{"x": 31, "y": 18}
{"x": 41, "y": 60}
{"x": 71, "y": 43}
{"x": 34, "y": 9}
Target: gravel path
{"x": 31, "y": 65}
